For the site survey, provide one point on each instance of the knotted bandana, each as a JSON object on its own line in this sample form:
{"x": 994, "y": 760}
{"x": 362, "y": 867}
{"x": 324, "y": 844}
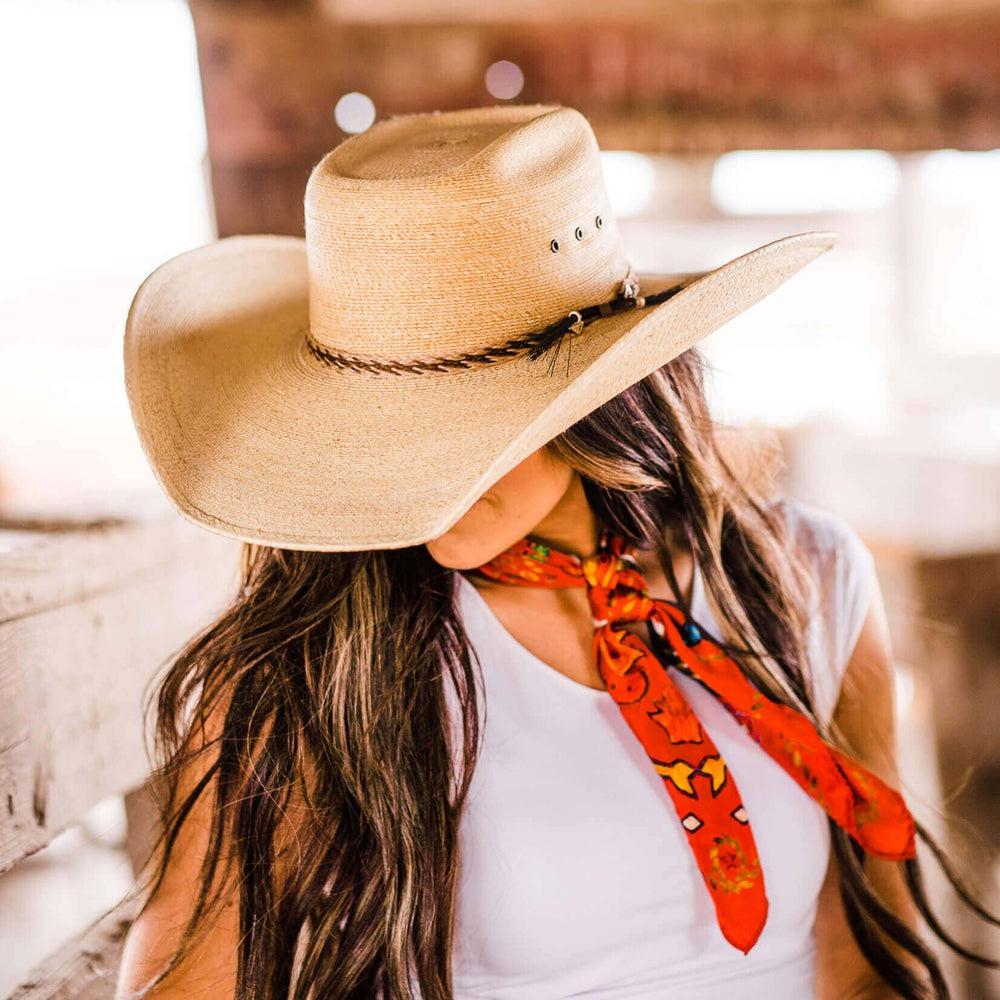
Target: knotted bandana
{"x": 694, "y": 773}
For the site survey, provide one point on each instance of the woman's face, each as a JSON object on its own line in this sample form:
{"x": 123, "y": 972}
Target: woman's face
{"x": 540, "y": 491}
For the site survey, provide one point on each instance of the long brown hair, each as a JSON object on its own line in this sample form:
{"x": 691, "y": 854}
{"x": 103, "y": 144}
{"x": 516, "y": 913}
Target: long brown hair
{"x": 315, "y": 715}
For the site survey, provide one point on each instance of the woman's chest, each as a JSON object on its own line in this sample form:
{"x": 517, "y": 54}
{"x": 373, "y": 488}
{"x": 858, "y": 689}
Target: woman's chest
{"x": 571, "y": 851}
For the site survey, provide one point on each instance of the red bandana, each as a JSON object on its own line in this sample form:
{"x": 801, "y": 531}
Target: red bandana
{"x": 694, "y": 773}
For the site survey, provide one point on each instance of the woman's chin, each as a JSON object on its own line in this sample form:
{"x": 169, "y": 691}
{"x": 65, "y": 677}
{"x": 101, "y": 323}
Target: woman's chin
{"x": 466, "y": 544}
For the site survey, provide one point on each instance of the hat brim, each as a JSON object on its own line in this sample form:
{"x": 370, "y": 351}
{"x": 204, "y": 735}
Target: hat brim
{"x": 250, "y": 436}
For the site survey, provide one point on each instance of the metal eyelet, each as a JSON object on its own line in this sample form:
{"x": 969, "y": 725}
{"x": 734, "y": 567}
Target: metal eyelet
{"x": 578, "y": 233}
{"x": 598, "y": 221}
{"x": 554, "y": 246}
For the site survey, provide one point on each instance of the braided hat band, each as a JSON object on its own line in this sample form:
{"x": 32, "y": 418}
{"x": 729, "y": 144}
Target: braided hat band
{"x": 536, "y": 344}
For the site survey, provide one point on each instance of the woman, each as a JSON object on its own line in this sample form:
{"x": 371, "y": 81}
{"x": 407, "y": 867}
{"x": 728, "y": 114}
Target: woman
{"x": 482, "y": 594}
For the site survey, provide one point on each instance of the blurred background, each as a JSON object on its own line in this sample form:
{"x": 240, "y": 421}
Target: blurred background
{"x": 138, "y": 129}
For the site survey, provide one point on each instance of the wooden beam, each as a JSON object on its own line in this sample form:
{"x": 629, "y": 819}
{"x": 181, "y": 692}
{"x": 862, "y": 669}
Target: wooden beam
{"x": 86, "y": 619}
{"x": 561, "y": 12}
{"x": 681, "y": 81}
{"x": 682, "y": 78}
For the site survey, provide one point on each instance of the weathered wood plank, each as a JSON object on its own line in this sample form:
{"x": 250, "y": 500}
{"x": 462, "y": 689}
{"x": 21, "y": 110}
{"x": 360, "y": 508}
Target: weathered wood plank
{"x": 87, "y": 618}
{"x": 86, "y": 967}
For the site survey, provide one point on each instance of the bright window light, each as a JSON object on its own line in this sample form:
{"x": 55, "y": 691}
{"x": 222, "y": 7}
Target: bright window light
{"x": 962, "y": 177}
{"x": 956, "y": 302}
{"x": 799, "y": 182}
{"x": 630, "y": 180}
{"x": 106, "y": 154}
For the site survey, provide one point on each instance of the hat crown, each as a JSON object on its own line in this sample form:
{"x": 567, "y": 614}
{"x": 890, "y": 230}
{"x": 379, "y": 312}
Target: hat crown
{"x": 446, "y": 232}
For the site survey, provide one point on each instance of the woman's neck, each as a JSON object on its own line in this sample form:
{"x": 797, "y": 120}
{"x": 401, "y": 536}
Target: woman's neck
{"x": 570, "y": 526}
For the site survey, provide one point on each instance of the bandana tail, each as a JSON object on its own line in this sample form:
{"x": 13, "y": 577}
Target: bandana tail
{"x": 879, "y": 818}
{"x": 858, "y": 801}
{"x": 743, "y": 932}
{"x": 867, "y": 808}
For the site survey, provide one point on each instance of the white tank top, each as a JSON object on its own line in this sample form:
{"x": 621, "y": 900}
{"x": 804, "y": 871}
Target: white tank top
{"x": 575, "y": 878}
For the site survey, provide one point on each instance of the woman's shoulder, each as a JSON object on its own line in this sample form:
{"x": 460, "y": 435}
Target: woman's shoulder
{"x": 843, "y": 567}
{"x": 829, "y": 542}
{"x": 822, "y": 531}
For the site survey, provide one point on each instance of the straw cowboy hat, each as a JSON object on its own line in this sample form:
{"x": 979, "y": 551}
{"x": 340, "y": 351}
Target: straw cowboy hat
{"x": 462, "y": 295}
